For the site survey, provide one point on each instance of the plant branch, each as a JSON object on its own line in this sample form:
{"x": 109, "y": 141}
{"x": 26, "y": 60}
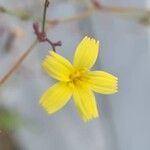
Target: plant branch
{"x": 44, "y": 15}
{"x": 18, "y": 62}
{"x": 104, "y": 8}
{"x": 21, "y": 14}
{"x": 41, "y": 35}
{"x": 101, "y": 8}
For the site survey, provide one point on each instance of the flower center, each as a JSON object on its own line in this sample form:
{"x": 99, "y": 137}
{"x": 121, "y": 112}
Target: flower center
{"x": 76, "y": 75}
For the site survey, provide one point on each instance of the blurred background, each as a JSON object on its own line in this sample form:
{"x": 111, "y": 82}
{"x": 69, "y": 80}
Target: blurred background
{"x": 124, "y": 123}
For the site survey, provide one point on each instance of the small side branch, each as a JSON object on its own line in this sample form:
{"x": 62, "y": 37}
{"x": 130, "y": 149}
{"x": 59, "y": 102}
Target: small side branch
{"x": 41, "y": 35}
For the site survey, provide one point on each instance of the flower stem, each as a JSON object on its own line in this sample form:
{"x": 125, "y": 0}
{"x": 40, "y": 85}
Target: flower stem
{"x": 44, "y": 15}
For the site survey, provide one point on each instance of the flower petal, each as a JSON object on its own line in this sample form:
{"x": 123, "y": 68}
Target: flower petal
{"x": 85, "y": 102}
{"x": 57, "y": 66}
{"x": 56, "y": 97}
{"x": 103, "y": 82}
{"x": 86, "y": 53}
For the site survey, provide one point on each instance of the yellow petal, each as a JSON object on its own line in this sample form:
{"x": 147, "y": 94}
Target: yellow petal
{"x": 85, "y": 102}
{"x": 57, "y": 66}
{"x": 86, "y": 53}
{"x": 56, "y": 97}
{"x": 103, "y": 82}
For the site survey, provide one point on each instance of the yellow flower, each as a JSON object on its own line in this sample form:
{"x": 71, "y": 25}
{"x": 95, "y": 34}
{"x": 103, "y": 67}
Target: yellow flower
{"x": 77, "y": 80}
